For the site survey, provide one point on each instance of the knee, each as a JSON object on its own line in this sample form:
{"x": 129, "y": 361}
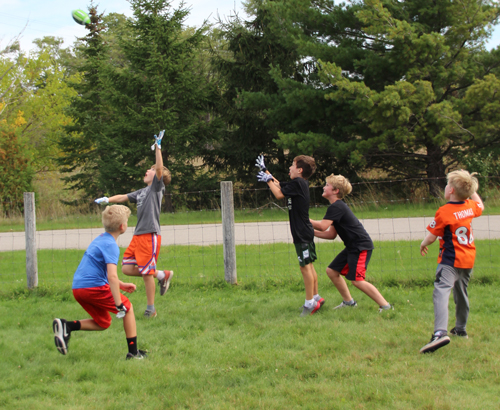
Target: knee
{"x": 357, "y": 283}
{"x": 332, "y": 274}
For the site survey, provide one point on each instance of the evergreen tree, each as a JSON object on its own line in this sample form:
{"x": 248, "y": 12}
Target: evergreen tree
{"x": 242, "y": 55}
{"x": 162, "y": 86}
{"x": 80, "y": 145}
{"x": 404, "y": 87}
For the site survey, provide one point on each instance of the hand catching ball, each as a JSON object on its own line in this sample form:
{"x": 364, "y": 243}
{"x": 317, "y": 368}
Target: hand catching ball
{"x": 80, "y": 17}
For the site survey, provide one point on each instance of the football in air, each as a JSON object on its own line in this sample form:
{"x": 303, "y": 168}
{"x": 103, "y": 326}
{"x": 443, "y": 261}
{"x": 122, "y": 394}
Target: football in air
{"x": 80, "y": 17}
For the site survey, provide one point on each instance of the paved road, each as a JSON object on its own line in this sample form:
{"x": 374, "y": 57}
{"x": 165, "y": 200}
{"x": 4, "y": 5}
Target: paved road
{"x": 485, "y": 227}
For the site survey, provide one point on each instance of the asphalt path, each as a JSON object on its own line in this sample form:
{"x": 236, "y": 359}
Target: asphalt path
{"x": 484, "y": 227}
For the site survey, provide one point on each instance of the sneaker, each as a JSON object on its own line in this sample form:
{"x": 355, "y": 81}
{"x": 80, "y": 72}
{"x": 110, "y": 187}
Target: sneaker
{"x": 165, "y": 282}
{"x": 437, "y": 341}
{"x": 150, "y": 314}
{"x": 460, "y": 333}
{"x": 343, "y": 305}
{"x": 321, "y": 302}
{"x": 388, "y": 307}
{"x": 141, "y": 354}
{"x": 310, "y": 311}
{"x": 61, "y": 335}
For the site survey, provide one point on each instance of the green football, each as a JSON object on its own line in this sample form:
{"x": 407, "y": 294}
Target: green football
{"x": 80, "y": 17}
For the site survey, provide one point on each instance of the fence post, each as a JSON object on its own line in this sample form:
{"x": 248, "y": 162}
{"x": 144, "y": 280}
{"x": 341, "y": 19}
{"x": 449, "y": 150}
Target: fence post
{"x": 228, "y": 235}
{"x": 30, "y": 235}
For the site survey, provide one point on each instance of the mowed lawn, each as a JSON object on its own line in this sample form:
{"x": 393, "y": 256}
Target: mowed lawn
{"x": 217, "y": 346}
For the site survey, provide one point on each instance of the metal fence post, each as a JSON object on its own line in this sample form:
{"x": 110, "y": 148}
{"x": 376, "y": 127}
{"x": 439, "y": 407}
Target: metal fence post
{"x": 30, "y": 235}
{"x": 228, "y": 235}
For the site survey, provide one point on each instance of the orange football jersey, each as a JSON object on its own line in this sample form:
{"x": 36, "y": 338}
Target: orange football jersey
{"x": 452, "y": 224}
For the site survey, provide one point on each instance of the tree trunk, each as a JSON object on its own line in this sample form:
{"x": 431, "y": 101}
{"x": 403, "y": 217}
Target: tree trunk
{"x": 436, "y": 171}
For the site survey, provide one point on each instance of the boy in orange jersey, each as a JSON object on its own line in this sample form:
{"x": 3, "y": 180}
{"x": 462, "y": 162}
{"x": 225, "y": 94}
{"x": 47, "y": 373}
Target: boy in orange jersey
{"x": 452, "y": 225}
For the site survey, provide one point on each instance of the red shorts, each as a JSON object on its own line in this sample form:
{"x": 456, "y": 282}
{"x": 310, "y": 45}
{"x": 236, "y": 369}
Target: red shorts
{"x": 352, "y": 265}
{"x": 98, "y": 302}
{"x": 143, "y": 251}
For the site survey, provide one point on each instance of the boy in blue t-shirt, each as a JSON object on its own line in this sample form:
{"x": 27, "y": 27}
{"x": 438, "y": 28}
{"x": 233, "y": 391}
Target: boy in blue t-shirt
{"x": 97, "y": 288}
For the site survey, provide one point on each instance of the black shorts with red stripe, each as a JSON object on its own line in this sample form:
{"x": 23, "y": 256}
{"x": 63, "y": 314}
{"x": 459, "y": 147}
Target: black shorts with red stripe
{"x": 352, "y": 264}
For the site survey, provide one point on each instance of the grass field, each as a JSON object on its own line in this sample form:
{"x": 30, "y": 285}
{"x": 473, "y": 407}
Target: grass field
{"x": 216, "y": 346}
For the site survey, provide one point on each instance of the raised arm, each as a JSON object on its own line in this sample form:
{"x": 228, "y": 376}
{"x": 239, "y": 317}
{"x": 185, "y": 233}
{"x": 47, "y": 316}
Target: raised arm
{"x": 159, "y": 157}
{"x": 274, "y": 184}
{"x": 476, "y": 198}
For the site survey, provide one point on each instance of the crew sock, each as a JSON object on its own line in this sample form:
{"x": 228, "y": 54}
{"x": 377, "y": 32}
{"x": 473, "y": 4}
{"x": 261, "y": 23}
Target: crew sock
{"x": 72, "y": 325}
{"x": 309, "y": 303}
{"x": 132, "y": 345}
{"x": 160, "y": 274}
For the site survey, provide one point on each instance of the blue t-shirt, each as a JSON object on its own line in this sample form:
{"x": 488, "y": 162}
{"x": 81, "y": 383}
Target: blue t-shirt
{"x": 92, "y": 271}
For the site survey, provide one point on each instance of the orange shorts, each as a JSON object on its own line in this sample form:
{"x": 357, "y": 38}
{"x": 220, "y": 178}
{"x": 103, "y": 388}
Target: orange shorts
{"x": 98, "y": 302}
{"x": 143, "y": 251}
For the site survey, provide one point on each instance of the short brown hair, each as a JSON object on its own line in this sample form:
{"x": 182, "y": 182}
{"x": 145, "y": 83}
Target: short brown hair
{"x": 307, "y": 163}
{"x": 464, "y": 183}
{"x": 167, "y": 177}
{"x": 113, "y": 216}
{"x": 341, "y": 183}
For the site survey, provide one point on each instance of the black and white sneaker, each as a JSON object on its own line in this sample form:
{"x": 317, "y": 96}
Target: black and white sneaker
{"x": 437, "y": 341}
{"x": 61, "y": 335}
{"x": 141, "y": 354}
{"x": 459, "y": 333}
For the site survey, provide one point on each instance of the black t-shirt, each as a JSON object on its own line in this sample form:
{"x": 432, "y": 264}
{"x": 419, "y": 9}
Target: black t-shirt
{"x": 296, "y": 192}
{"x": 350, "y": 230}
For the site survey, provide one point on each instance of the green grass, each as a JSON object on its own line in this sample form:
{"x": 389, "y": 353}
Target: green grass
{"x": 365, "y": 210}
{"x": 214, "y": 346}
{"x": 393, "y": 263}
{"x": 217, "y": 346}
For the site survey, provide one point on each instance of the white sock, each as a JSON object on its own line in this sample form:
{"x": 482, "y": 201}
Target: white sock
{"x": 317, "y": 297}
{"x": 309, "y": 303}
{"x": 160, "y": 275}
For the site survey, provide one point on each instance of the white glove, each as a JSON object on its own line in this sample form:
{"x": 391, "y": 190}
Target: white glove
{"x": 260, "y": 163}
{"x": 122, "y": 311}
{"x": 263, "y": 177}
{"x": 103, "y": 200}
{"x": 158, "y": 140}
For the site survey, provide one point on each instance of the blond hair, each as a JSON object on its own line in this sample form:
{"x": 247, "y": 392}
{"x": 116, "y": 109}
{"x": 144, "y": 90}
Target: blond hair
{"x": 113, "y": 216}
{"x": 464, "y": 183}
{"x": 166, "y": 175}
{"x": 341, "y": 183}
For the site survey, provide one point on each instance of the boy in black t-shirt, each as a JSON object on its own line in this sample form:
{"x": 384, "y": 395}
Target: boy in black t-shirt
{"x": 297, "y": 193}
{"x": 353, "y": 260}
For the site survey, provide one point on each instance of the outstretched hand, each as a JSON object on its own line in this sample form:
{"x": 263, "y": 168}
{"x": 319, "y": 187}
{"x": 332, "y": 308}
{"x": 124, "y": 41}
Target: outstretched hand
{"x": 263, "y": 177}
{"x": 158, "y": 140}
{"x": 260, "y": 163}
{"x": 103, "y": 200}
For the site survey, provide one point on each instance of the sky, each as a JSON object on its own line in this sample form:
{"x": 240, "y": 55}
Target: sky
{"x": 41, "y": 18}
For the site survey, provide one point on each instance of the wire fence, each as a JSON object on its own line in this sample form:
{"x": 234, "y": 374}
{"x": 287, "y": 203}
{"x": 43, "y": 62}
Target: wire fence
{"x": 395, "y": 214}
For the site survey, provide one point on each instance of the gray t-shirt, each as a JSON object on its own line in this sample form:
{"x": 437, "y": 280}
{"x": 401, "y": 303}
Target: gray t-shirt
{"x": 148, "y": 202}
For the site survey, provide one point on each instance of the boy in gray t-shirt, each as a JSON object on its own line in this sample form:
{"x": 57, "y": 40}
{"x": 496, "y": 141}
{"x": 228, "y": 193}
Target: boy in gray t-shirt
{"x": 142, "y": 254}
